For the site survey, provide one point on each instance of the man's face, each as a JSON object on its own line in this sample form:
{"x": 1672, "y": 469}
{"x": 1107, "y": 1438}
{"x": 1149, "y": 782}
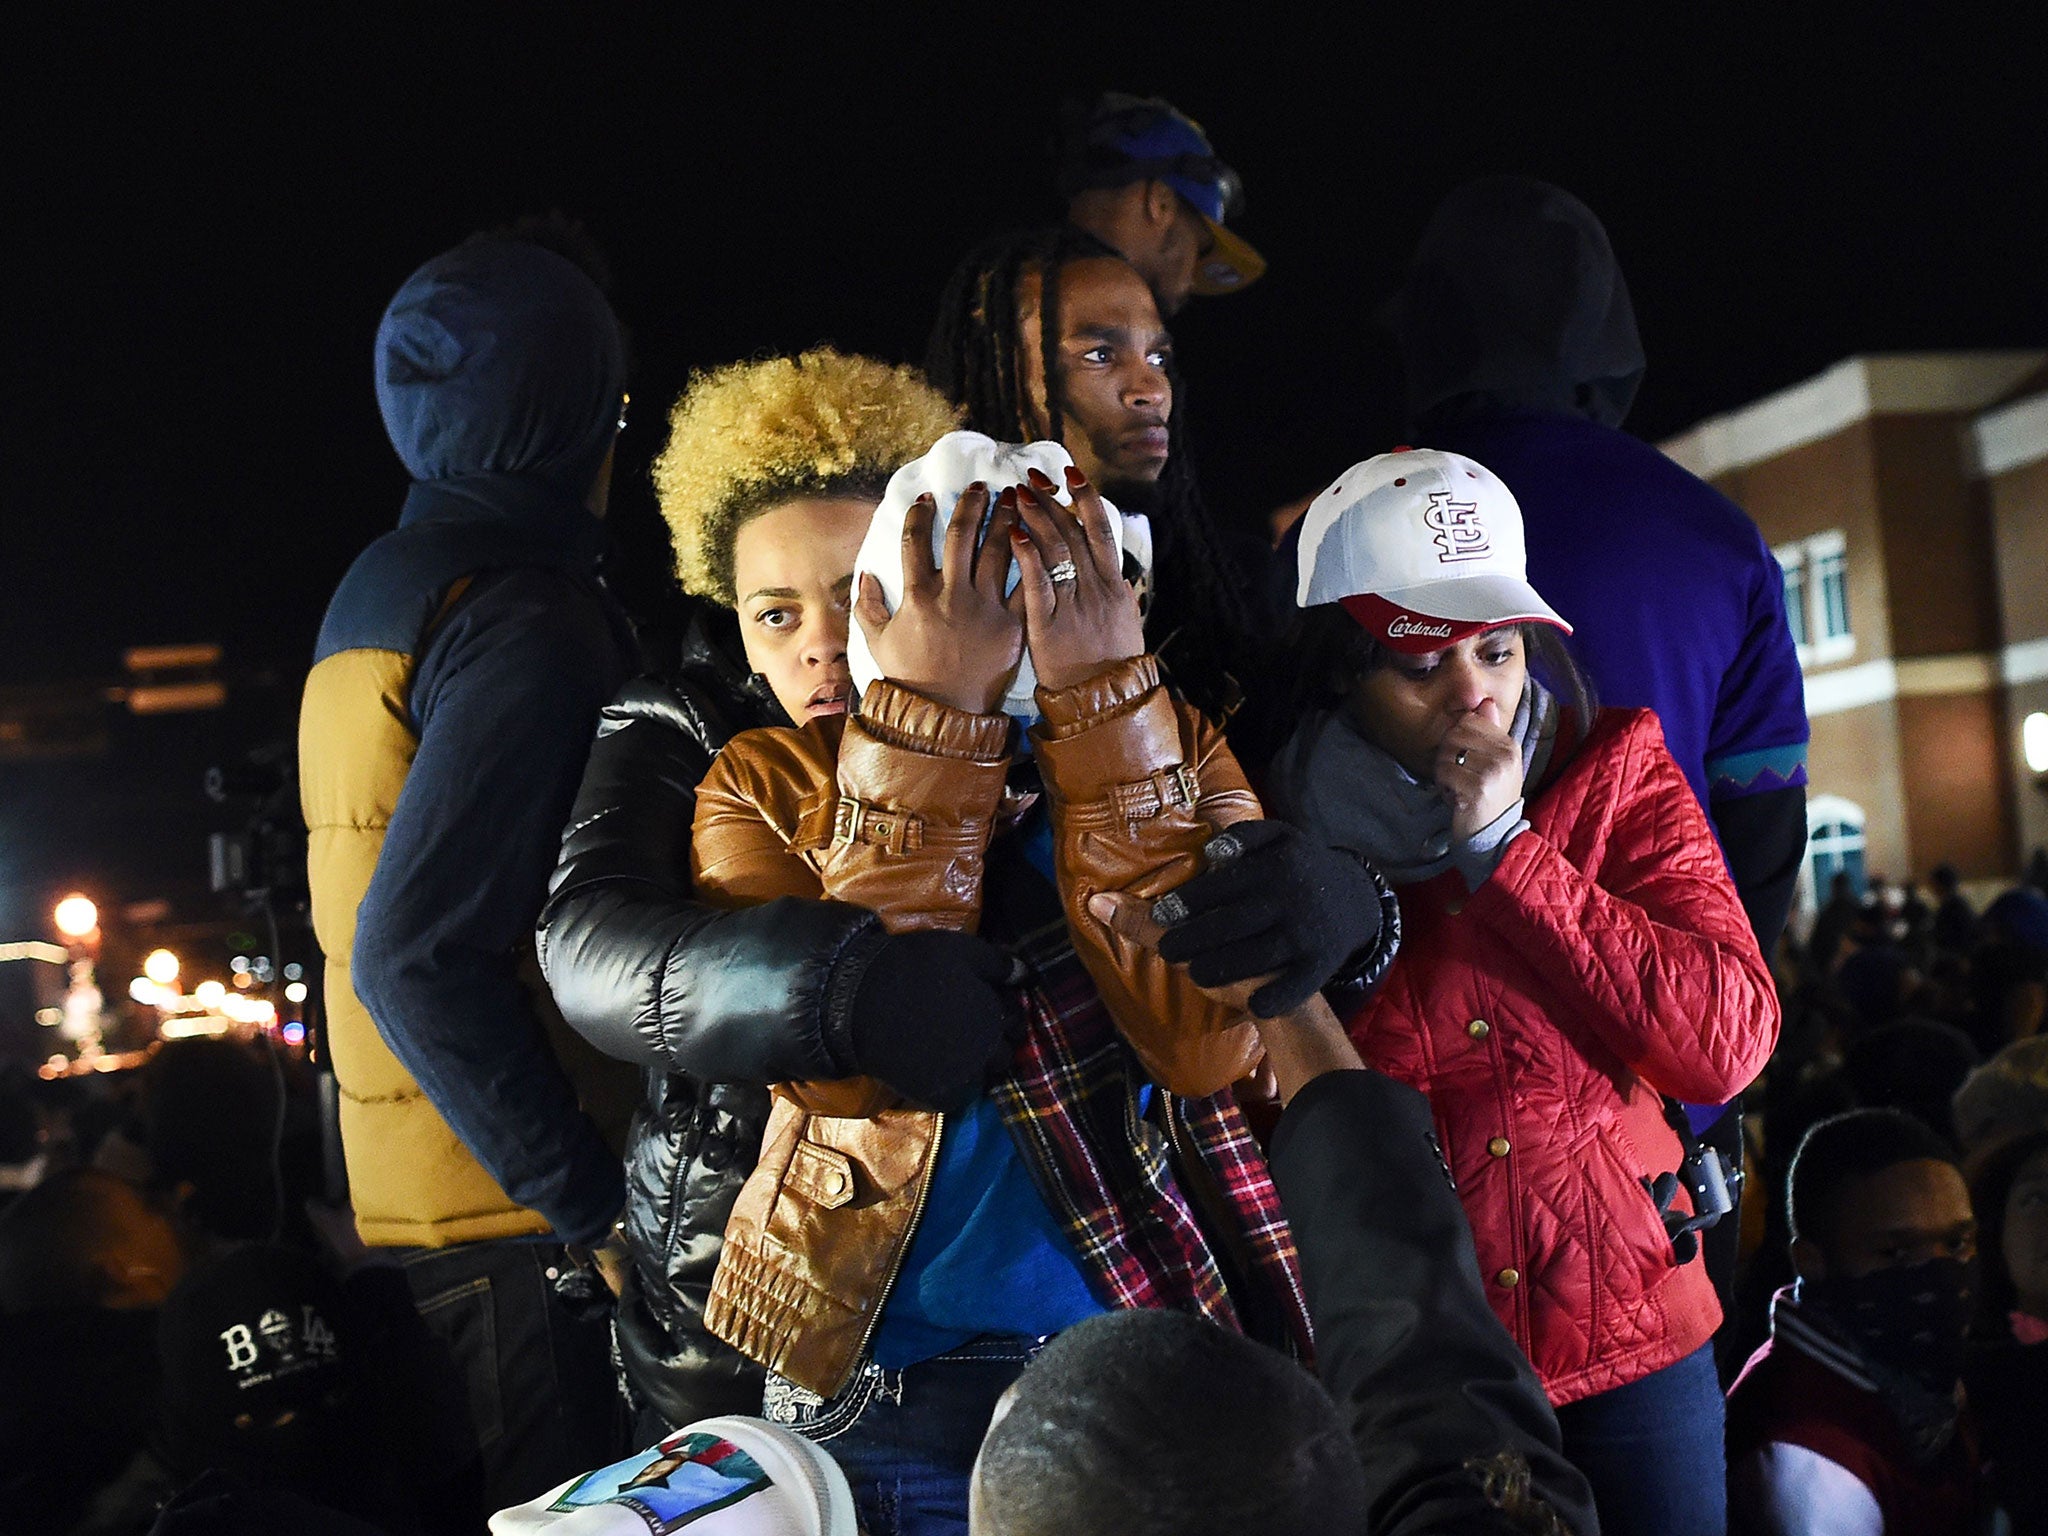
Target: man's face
{"x": 1167, "y": 241}
{"x": 1898, "y": 1217}
{"x": 1115, "y": 397}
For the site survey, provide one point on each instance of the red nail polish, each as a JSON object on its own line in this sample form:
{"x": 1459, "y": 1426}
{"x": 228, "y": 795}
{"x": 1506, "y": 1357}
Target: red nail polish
{"x": 1040, "y": 477}
{"x": 1075, "y": 478}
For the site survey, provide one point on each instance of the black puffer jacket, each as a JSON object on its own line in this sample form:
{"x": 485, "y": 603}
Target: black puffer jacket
{"x": 715, "y": 1004}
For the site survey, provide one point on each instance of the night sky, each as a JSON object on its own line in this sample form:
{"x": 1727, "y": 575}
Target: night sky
{"x": 205, "y": 222}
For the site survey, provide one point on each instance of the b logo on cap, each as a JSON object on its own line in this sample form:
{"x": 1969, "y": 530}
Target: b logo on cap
{"x": 1459, "y": 533}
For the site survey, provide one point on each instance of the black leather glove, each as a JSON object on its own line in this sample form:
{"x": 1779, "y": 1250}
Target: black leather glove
{"x": 936, "y": 1015}
{"x": 1275, "y": 903}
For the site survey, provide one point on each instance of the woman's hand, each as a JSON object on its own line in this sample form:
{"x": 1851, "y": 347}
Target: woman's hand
{"x": 953, "y": 639}
{"x": 1086, "y": 621}
{"x": 1478, "y": 769}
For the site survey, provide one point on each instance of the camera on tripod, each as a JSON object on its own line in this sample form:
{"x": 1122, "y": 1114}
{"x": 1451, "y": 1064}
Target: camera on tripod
{"x": 264, "y": 860}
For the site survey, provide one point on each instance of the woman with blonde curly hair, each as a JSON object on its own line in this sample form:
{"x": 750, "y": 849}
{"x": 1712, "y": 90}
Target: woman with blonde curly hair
{"x": 771, "y": 475}
{"x": 769, "y": 480}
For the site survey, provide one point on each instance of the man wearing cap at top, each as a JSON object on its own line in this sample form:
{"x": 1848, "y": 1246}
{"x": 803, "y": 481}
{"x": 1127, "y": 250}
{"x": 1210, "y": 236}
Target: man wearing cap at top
{"x": 1142, "y": 178}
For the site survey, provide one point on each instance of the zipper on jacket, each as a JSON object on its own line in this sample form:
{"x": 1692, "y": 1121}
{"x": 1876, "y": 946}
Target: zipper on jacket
{"x": 1189, "y": 1157}
{"x": 924, "y": 1189}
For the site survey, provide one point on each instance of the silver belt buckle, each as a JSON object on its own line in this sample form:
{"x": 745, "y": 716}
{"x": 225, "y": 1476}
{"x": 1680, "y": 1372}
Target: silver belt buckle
{"x": 784, "y": 1402}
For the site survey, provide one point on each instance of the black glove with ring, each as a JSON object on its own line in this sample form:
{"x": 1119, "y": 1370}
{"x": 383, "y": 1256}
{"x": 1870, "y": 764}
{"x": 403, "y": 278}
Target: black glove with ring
{"x": 1278, "y": 904}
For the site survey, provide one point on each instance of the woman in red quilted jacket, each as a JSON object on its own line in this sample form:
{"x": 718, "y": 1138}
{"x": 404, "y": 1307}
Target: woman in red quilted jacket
{"x": 1573, "y": 951}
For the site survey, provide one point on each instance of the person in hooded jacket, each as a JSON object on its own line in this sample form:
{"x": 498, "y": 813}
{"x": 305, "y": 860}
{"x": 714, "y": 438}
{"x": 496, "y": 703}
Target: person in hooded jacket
{"x": 1518, "y": 340}
{"x": 456, "y": 680}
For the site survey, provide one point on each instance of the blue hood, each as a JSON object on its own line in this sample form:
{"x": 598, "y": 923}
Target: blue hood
{"x": 500, "y": 357}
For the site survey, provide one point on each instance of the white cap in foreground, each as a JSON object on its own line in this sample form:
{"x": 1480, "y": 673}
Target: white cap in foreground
{"x": 729, "y": 1476}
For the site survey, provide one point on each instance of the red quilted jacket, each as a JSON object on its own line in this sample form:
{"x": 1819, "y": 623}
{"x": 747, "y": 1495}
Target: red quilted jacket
{"x": 1606, "y": 960}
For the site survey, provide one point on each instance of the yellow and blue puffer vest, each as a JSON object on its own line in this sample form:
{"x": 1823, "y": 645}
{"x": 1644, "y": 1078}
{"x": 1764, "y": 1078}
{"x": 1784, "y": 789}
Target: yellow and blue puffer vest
{"x": 412, "y": 1181}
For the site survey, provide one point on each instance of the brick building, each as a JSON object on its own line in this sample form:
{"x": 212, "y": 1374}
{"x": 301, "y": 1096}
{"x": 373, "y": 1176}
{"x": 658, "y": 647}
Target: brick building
{"x": 1906, "y": 498}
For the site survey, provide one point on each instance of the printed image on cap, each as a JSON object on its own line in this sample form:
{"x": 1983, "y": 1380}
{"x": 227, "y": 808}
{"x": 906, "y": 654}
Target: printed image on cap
{"x": 730, "y": 1476}
{"x": 1422, "y": 548}
{"x": 953, "y": 463}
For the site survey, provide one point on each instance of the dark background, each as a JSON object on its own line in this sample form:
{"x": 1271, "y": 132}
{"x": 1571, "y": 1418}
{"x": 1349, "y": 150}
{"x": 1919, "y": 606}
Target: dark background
{"x": 206, "y": 218}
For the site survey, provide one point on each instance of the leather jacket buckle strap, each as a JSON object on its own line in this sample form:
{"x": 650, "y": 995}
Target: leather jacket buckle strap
{"x": 1175, "y": 788}
{"x": 856, "y": 821}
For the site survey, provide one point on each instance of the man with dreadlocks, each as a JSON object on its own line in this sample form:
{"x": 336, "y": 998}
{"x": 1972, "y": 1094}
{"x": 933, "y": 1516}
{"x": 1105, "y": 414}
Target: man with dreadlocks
{"x": 1043, "y": 336}
{"x": 1048, "y": 307}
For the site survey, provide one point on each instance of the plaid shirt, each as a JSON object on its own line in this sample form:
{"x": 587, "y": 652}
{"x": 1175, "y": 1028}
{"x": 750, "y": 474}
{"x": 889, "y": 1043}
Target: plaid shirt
{"x": 1104, "y": 1170}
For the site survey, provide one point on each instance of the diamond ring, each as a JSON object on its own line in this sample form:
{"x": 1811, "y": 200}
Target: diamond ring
{"x": 1064, "y": 571}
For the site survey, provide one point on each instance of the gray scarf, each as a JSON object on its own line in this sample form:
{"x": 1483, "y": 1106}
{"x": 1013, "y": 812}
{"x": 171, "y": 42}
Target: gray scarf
{"x": 1335, "y": 785}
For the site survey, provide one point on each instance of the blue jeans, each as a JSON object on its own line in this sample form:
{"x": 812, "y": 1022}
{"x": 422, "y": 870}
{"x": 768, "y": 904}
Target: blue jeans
{"x": 907, "y": 1439}
{"x": 1654, "y": 1451}
{"x": 542, "y": 1399}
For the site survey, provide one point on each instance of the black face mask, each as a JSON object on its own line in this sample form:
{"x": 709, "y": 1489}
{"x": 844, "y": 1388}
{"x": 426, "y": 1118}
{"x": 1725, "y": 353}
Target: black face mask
{"x": 1912, "y": 1319}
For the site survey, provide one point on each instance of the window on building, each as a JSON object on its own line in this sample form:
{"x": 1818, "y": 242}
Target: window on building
{"x": 1794, "y": 566}
{"x": 1827, "y": 564}
{"x": 1817, "y": 596}
{"x": 1834, "y": 846}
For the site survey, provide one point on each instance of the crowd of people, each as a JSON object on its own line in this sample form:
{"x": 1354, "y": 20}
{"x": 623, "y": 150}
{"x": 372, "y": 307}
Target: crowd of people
{"x": 1044, "y": 1011}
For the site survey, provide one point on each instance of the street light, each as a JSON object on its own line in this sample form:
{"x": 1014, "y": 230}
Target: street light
{"x": 210, "y": 993}
{"x": 76, "y": 916}
{"x": 160, "y": 966}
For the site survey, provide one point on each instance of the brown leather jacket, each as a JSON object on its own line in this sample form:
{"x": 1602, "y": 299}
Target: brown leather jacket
{"x": 1136, "y": 783}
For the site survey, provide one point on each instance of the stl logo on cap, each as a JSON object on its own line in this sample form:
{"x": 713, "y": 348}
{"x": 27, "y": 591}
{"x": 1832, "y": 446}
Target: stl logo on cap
{"x": 1422, "y": 548}
{"x": 1459, "y": 533}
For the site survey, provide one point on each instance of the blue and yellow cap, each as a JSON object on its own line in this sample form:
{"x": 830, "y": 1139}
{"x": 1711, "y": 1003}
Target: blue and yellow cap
{"x": 1122, "y": 139}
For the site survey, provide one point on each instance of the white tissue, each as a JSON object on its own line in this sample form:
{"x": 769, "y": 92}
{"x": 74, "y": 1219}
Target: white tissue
{"x": 953, "y": 463}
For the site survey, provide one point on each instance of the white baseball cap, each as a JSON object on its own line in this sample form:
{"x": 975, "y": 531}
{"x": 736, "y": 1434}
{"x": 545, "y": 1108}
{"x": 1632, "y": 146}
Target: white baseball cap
{"x": 732, "y": 1476}
{"x": 945, "y": 470}
{"x": 1422, "y": 548}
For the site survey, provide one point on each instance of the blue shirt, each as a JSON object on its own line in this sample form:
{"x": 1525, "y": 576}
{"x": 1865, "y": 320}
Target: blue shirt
{"x": 988, "y": 1255}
